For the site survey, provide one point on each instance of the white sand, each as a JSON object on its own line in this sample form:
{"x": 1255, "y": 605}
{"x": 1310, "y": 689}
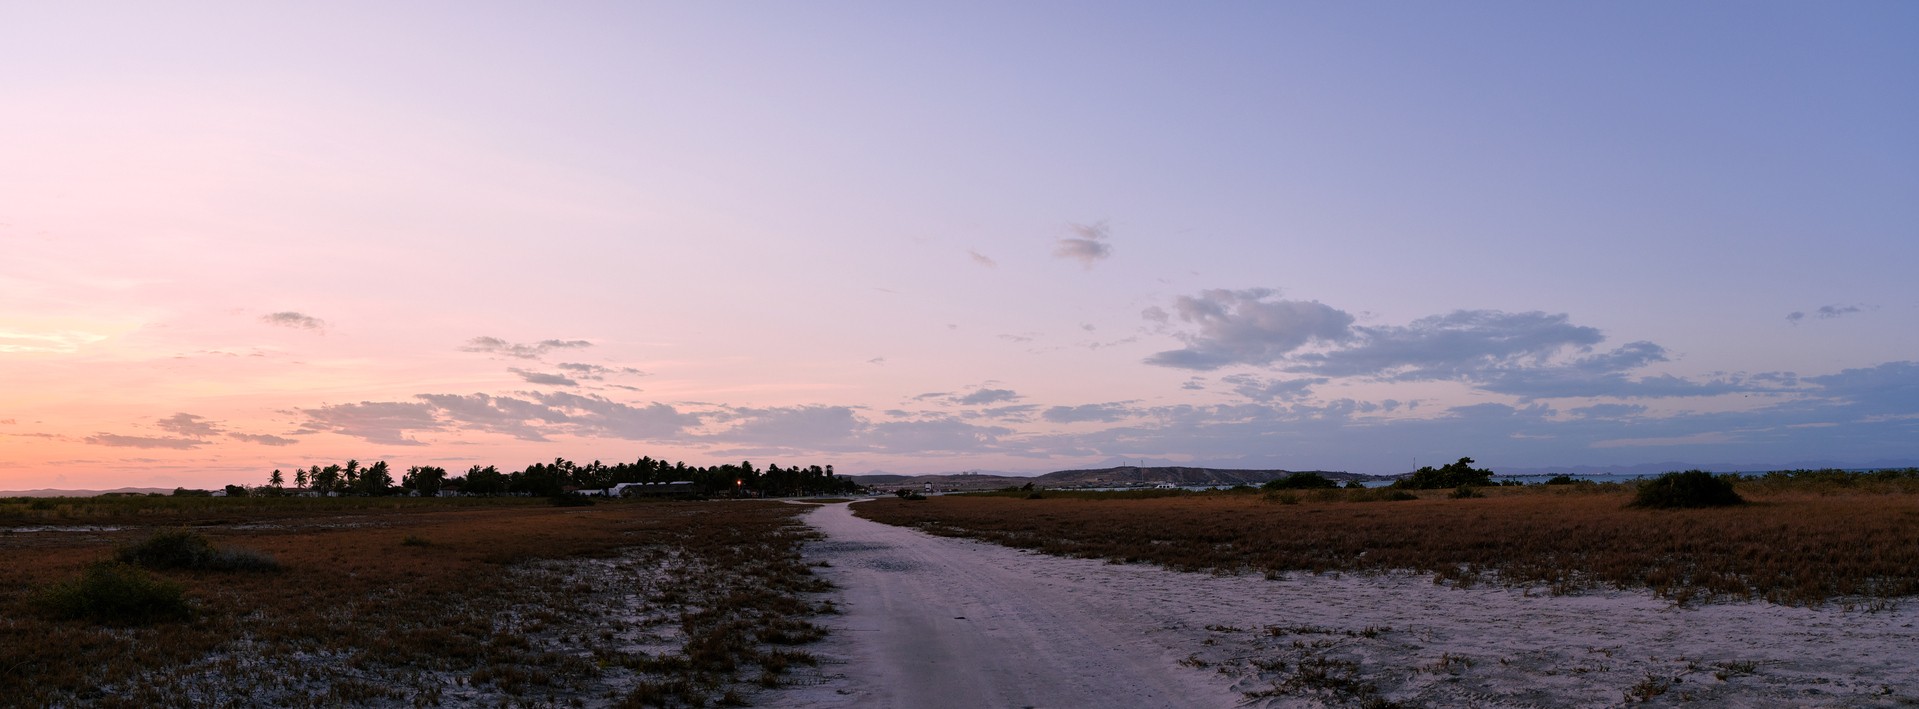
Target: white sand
{"x": 939, "y": 622}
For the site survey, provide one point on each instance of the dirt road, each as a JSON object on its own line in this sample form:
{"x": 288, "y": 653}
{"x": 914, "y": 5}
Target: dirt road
{"x": 935, "y": 622}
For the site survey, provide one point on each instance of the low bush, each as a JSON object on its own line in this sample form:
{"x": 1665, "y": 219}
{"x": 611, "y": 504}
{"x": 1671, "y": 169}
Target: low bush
{"x": 1379, "y": 494}
{"x": 1464, "y": 492}
{"x": 1300, "y": 481}
{"x": 1693, "y": 488}
{"x": 115, "y": 593}
{"x": 186, "y": 549}
{"x": 1456, "y": 474}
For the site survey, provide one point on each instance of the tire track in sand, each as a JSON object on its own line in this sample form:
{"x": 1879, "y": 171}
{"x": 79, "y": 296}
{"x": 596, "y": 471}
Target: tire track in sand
{"x": 936, "y": 622}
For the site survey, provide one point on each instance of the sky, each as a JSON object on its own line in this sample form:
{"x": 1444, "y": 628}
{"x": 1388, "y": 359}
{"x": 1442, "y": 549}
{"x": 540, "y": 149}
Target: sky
{"x": 925, "y": 238}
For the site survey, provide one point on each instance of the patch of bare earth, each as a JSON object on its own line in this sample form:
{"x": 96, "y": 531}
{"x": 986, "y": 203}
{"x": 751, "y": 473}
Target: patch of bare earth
{"x": 625, "y": 604}
{"x": 1553, "y": 634}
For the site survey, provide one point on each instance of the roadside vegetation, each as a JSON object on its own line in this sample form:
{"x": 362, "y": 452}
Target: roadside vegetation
{"x": 1802, "y": 538}
{"x": 496, "y": 601}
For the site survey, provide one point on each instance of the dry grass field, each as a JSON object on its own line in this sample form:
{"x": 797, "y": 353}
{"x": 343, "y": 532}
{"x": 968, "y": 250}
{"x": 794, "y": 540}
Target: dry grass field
{"x": 412, "y": 603}
{"x": 1797, "y": 544}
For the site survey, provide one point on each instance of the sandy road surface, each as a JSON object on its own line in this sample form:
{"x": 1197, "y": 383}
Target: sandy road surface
{"x": 938, "y": 622}
{"x": 935, "y": 622}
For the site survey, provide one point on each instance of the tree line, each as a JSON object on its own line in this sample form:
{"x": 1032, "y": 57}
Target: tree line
{"x": 551, "y": 479}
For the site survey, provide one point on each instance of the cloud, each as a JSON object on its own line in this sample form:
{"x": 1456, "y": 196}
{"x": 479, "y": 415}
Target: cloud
{"x": 986, "y": 396}
{"x": 383, "y": 422}
{"x": 935, "y": 436}
{"x": 1531, "y": 355}
{"x": 1016, "y": 412}
{"x": 1259, "y": 389}
{"x": 298, "y": 321}
{"x": 1103, "y": 413}
{"x": 1828, "y": 312}
{"x": 982, "y": 259}
{"x": 796, "y": 427}
{"x": 264, "y": 439}
{"x": 1231, "y": 327}
{"x": 1086, "y": 245}
{"x": 188, "y": 425}
{"x": 1825, "y": 312}
{"x": 595, "y": 372}
{"x": 543, "y": 378}
{"x": 1608, "y": 411}
{"x": 1889, "y": 388}
{"x": 594, "y": 415}
{"x": 63, "y": 342}
{"x": 494, "y": 414}
{"x": 119, "y": 441}
{"x": 1455, "y": 345}
{"x": 494, "y": 345}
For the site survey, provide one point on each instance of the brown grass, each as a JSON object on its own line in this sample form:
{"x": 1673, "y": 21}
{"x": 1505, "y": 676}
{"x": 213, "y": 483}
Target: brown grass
{"x": 421, "y": 604}
{"x": 1788, "y": 546}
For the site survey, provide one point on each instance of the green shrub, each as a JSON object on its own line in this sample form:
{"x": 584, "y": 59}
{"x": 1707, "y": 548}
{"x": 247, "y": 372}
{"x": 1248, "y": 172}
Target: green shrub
{"x": 1458, "y": 474}
{"x": 186, "y": 549}
{"x": 1379, "y": 494}
{"x": 1300, "y": 481}
{"x": 1464, "y": 492}
{"x": 1284, "y": 498}
{"x": 116, "y": 593}
{"x": 1693, "y": 488}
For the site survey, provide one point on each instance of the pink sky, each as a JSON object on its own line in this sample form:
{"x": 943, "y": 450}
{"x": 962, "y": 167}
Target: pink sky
{"x": 237, "y": 237}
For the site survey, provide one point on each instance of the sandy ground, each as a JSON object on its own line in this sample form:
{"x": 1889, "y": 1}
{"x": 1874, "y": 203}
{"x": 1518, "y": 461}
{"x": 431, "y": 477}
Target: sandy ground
{"x": 938, "y": 622}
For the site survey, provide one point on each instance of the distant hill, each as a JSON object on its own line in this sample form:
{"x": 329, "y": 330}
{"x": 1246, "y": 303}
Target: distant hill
{"x": 47, "y": 492}
{"x": 1101, "y": 477}
{"x": 1128, "y": 474}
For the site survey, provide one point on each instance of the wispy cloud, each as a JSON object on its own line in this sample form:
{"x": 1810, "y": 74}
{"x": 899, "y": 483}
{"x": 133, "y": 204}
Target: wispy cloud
{"x": 599, "y": 416}
{"x": 543, "y": 378}
{"x": 1086, "y": 244}
{"x": 597, "y": 372}
{"x": 533, "y": 350}
{"x": 295, "y": 320}
{"x": 982, "y": 259}
{"x": 189, "y": 425}
{"x": 119, "y": 441}
{"x": 61, "y": 342}
{"x": 1262, "y": 389}
{"x": 1246, "y": 327}
{"x": 984, "y": 396}
{"x": 1531, "y": 355}
{"x": 1825, "y": 312}
{"x": 495, "y": 414}
{"x": 264, "y": 439}
{"x": 1103, "y": 413}
{"x": 384, "y": 422}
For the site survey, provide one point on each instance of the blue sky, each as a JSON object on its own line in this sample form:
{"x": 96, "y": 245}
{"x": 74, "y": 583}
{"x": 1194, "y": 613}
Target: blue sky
{"x": 1000, "y": 236}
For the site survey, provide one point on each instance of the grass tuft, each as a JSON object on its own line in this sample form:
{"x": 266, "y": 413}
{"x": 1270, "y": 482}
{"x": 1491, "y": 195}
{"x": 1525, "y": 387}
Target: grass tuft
{"x": 185, "y": 549}
{"x": 117, "y": 594}
{"x": 1693, "y": 488}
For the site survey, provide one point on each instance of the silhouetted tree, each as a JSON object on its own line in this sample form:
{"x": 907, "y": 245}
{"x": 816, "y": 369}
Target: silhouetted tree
{"x": 1458, "y": 474}
{"x": 424, "y": 479}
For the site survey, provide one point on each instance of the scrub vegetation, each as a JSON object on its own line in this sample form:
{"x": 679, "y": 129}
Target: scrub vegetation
{"x": 505, "y": 601}
{"x": 1803, "y": 538}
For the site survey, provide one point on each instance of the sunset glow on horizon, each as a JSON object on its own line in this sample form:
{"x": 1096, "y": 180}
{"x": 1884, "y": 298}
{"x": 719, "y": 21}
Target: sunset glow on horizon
{"x": 1002, "y": 237}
